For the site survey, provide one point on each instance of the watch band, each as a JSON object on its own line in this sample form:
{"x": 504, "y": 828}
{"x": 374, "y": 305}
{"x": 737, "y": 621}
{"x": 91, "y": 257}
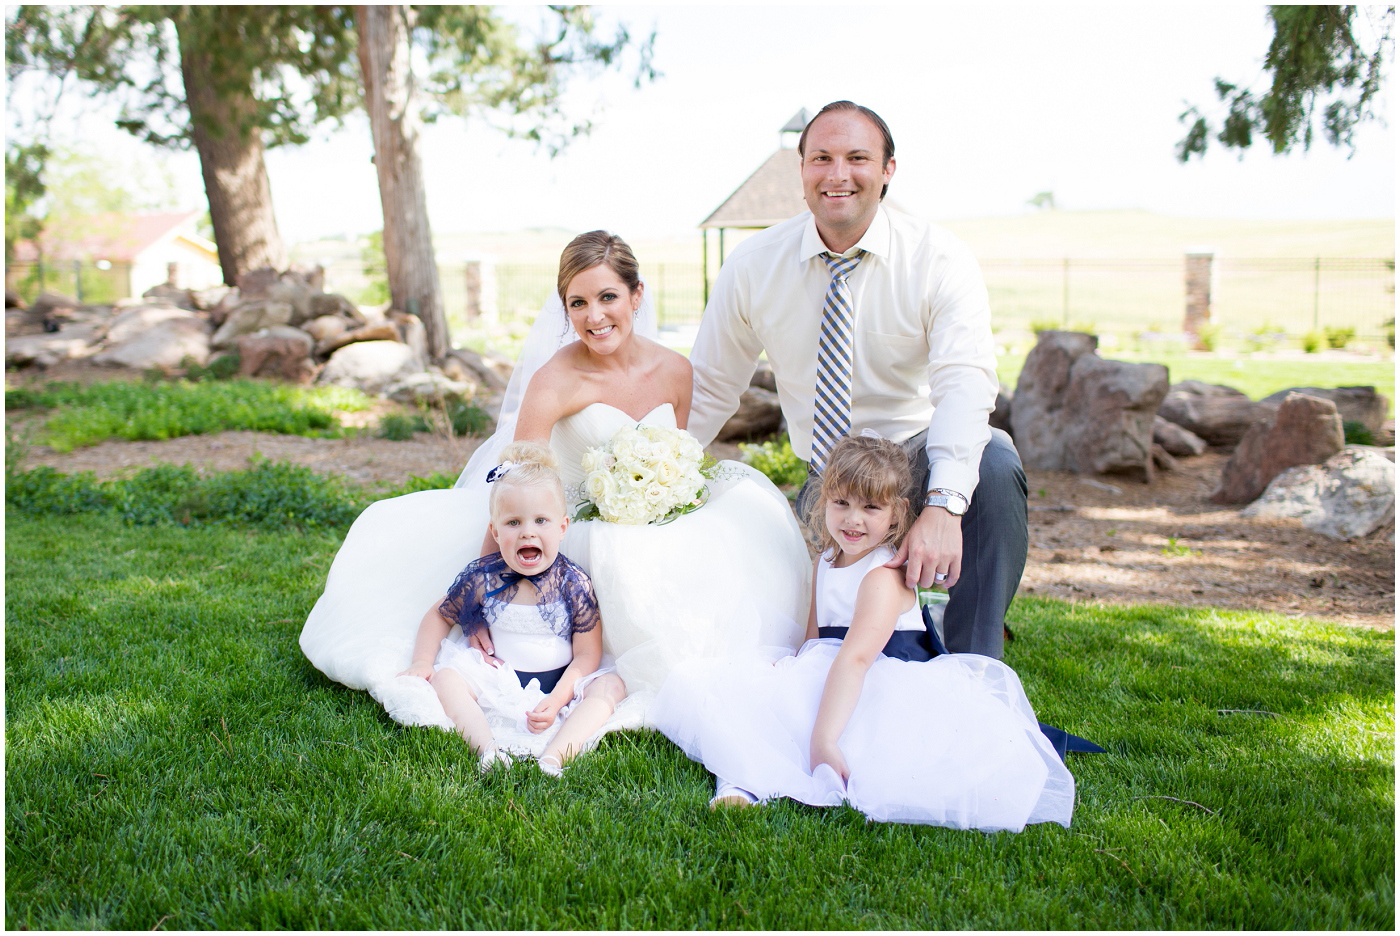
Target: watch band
{"x": 949, "y": 493}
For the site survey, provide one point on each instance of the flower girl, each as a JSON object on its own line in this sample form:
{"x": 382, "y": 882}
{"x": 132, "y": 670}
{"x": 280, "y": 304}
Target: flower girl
{"x": 544, "y": 637}
{"x": 865, "y": 712}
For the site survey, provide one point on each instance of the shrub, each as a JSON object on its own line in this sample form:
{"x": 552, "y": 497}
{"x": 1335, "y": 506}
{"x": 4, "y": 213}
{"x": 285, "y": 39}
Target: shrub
{"x": 1208, "y": 337}
{"x": 776, "y": 460}
{"x": 223, "y": 367}
{"x": 1266, "y": 336}
{"x": 1046, "y": 325}
{"x": 1356, "y": 433}
{"x": 1338, "y": 337}
{"x": 468, "y": 419}
{"x": 1312, "y": 342}
{"x": 1389, "y": 326}
{"x": 167, "y": 409}
{"x": 399, "y": 427}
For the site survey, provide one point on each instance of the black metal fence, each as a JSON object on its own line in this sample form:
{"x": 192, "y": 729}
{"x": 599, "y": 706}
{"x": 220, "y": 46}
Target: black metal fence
{"x": 1287, "y": 297}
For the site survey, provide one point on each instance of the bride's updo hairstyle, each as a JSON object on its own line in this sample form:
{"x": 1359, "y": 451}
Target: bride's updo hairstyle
{"x": 528, "y": 463}
{"x": 866, "y": 469}
{"x": 594, "y": 249}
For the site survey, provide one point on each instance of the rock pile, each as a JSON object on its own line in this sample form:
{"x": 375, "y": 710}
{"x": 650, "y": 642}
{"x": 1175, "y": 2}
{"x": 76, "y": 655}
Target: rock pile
{"x": 281, "y": 325}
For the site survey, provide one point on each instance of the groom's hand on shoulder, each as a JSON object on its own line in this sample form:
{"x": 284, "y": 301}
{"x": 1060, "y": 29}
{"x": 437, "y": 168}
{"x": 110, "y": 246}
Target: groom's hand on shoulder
{"x": 932, "y": 547}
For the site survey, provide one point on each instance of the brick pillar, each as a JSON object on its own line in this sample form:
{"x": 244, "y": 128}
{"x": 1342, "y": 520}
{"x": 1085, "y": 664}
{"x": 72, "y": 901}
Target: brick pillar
{"x": 1198, "y": 269}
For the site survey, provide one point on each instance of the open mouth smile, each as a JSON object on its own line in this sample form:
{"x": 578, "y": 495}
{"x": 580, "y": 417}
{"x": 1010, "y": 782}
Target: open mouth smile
{"x": 529, "y": 555}
{"x": 603, "y": 332}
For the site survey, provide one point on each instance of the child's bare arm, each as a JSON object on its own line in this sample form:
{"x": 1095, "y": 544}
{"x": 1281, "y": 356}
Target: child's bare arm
{"x": 431, "y": 630}
{"x": 588, "y": 652}
{"x": 881, "y": 599}
{"x": 812, "y": 609}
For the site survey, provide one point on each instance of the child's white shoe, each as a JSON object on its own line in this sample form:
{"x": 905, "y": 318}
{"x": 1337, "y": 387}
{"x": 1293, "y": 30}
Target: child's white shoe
{"x": 550, "y": 766}
{"x": 494, "y": 758}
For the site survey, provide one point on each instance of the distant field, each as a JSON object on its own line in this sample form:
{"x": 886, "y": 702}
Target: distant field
{"x": 1120, "y": 273}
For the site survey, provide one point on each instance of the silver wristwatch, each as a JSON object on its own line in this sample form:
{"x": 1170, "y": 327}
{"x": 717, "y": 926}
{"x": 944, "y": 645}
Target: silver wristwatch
{"x": 951, "y": 501}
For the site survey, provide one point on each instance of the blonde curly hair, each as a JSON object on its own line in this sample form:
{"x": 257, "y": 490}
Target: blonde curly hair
{"x": 531, "y": 464}
{"x": 868, "y": 469}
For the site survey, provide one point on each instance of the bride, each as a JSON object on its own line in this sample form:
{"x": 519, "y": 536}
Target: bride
{"x": 729, "y": 577}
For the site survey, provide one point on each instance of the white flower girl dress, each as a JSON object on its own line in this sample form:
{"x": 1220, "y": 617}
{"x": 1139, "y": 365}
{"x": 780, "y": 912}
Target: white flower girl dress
{"x": 951, "y": 741}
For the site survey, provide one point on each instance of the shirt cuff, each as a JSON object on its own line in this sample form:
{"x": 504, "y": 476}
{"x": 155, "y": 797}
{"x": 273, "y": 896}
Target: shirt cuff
{"x": 954, "y": 476}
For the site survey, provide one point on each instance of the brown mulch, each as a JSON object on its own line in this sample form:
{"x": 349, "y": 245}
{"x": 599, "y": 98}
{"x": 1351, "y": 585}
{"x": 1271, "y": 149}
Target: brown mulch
{"x": 1098, "y": 539}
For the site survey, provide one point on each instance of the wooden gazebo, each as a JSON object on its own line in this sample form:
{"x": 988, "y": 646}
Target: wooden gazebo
{"x": 772, "y": 194}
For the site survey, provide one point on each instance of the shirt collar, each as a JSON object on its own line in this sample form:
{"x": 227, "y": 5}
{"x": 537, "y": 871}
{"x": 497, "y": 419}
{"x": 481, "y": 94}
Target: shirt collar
{"x": 876, "y": 239}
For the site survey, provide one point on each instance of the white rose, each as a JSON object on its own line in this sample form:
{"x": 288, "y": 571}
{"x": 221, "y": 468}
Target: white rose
{"x": 599, "y": 485}
{"x": 668, "y": 472}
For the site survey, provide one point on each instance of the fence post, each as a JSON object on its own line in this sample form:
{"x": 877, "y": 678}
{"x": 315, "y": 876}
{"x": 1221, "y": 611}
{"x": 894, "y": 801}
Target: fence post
{"x": 1198, "y": 270}
{"x": 472, "y": 274}
{"x": 1317, "y": 283}
{"x": 660, "y": 293}
{"x": 1064, "y": 299}
{"x": 705, "y": 267}
{"x": 78, "y": 281}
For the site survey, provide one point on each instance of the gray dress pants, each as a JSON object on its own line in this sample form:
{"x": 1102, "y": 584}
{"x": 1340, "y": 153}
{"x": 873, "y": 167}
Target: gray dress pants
{"x": 995, "y": 540}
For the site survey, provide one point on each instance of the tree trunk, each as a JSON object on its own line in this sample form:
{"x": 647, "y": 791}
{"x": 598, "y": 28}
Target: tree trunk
{"x": 230, "y": 156}
{"x": 408, "y": 240}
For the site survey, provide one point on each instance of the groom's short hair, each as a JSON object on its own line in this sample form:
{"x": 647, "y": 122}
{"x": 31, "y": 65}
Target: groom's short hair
{"x": 886, "y": 137}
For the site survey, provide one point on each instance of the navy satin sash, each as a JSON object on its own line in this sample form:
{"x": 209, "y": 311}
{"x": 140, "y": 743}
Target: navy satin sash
{"x": 548, "y": 679}
{"x": 909, "y": 645}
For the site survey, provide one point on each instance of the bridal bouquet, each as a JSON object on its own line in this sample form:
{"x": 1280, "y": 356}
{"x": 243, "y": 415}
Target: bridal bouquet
{"x": 646, "y": 474}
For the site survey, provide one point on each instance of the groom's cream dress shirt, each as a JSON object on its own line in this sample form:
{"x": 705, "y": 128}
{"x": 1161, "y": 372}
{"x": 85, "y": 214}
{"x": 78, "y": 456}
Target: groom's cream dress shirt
{"x": 923, "y": 352}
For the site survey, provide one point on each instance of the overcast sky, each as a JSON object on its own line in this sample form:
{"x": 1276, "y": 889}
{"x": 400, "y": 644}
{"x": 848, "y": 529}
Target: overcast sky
{"x": 989, "y": 104}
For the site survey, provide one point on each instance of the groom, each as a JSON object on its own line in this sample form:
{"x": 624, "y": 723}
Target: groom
{"x": 875, "y": 320}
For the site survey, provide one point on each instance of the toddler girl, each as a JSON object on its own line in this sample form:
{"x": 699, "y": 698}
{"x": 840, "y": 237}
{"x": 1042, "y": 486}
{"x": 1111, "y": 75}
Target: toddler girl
{"x": 545, "y": 632}
{"x": 866, "y": 712}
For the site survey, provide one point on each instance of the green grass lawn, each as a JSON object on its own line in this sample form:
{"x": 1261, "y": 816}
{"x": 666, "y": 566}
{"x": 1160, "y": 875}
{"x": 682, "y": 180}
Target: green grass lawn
{"x": 1255, "y": 376}
{"x": 172, "y": 761}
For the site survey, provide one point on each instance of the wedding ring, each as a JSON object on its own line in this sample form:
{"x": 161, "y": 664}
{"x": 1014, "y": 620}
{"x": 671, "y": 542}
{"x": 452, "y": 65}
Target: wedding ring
{"x": 940, "y": 576}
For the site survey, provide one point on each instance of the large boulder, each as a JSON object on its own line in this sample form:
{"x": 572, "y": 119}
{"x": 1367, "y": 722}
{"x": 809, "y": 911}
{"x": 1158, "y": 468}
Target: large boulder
{"x": 213, "y": 297}
{"x": 323, "y": 304}
{"x": 325, "y": 328}
{"x": 1177, "y": 440}
{"x": 1355, "y": 404}
{"x": 1305, "y": 430}
{"x": 428, "y": 387}
{"x": 47, "y": 349}
{"x": 49, "y": 302}
{"x": 1220, "y": 415}
{"x": 1075, "y": 411}
{"x": 249, "y": 317}
{"x": 764, "y": 378}
{"x": 492, "y": 370}
{"x": 136, "y": 320}
{"x": 370, "y": 366}
{"x": 165, "y": 343}
{"x": 295, "y": 287}
{"x": 759, "y": 414}
{"x": 183, "y": 298}
{"x": 1351, "y": 494}
{"x": 1001, "y": 412}
{"x": 280, "y": 351}
{"x": 334, "y": 342}
{"x": 411, "y": 331}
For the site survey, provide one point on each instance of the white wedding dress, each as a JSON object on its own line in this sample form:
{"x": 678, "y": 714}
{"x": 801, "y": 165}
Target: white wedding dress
{"x": 730, "y": 577}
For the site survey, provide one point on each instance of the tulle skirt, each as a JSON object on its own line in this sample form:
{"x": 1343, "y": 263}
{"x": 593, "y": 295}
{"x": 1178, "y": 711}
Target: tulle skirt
{"x": 952, "y": 741}
{"x": 504, "y": 701}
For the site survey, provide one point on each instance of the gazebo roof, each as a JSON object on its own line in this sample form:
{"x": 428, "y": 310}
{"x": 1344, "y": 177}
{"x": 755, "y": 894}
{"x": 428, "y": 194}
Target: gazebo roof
{"x": 771, "y": 195}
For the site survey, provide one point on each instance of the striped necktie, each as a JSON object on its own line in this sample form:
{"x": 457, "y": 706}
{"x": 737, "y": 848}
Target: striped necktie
{"x": 831, "y": 415}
